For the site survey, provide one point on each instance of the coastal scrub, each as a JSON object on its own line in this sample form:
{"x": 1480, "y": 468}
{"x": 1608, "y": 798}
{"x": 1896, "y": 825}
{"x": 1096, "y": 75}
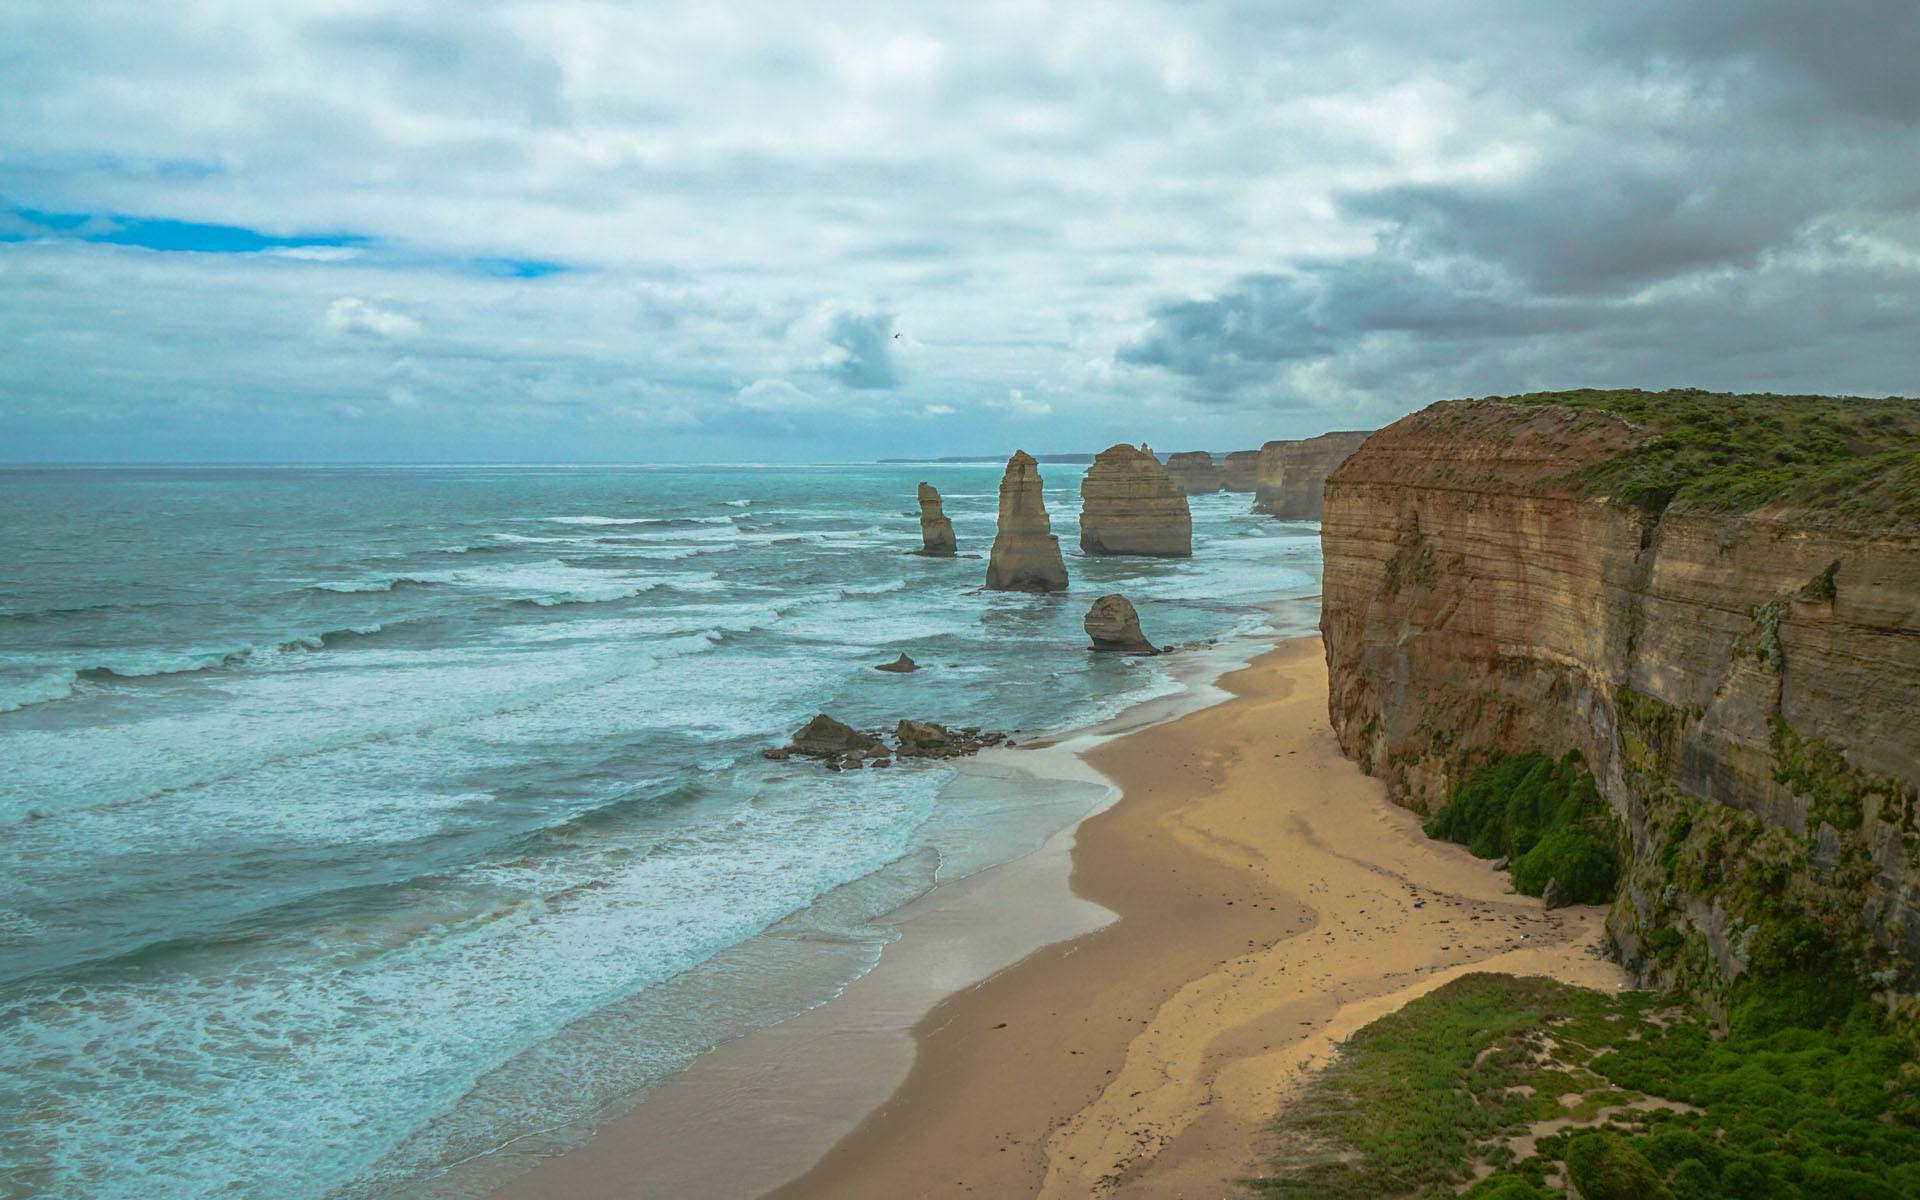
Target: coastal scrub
{"x": 1545, "y": 816}
{"x": 1524, "y": 1084}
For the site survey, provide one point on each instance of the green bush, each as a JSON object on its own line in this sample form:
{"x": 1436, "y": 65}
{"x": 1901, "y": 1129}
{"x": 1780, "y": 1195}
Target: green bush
{"x": 1545, "y": 816}
{"x": 1605, "y": 1166}
{"x": 1505, "y": 1187}
{"x": 1585, "y": 866}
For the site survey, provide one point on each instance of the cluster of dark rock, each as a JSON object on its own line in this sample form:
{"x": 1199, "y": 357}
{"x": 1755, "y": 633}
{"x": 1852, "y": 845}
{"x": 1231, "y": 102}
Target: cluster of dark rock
{"x": 841, "y": 747}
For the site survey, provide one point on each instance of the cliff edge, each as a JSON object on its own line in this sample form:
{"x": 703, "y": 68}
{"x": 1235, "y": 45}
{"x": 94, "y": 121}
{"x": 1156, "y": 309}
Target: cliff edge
{"x": 1714, "y": 599}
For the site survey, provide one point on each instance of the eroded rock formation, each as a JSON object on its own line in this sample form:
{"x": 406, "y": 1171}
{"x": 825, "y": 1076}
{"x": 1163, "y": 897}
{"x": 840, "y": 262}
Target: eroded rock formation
{"x": 1195, "y": 473}
{"x": 1026, "y": 555}
{"x": 1129, "y": 506}
{"x": 1113, "y": 625}
{"x": 936, "y": 531}
{"x": 903, "y": 665}
{"x": 1241, "y": 471}
{"x": 1292, "y": 475}
{"x": 1745, "y": 685}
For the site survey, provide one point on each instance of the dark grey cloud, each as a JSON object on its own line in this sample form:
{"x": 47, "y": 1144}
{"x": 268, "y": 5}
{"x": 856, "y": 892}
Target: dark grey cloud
{"x": 865, "y": 344}
{"x": 1855, "y": 57}
{"x": 1721, "y": 193}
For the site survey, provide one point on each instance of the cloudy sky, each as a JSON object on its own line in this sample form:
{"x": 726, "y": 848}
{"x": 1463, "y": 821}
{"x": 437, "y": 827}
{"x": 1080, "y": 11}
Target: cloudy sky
{"x": 556, "y": 230}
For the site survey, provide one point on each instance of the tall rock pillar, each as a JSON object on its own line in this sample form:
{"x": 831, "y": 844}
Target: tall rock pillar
{"x": 1026, "y": 555}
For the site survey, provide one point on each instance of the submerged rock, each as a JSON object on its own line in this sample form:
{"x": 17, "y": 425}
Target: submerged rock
{"x": 1129, "y": 506}
{"x": 1113, "y": 625}
{"x": 1195, "y": 473}
{"x": 824, "y": 737}
{"x": 1026, "y": 555}
{"x": 900, "y": 665}
{"x": 936, "y": 531}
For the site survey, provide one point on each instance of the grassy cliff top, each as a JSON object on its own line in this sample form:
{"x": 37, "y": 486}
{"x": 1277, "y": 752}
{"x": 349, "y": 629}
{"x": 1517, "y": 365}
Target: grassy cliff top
{"x": 1846, "y": 459}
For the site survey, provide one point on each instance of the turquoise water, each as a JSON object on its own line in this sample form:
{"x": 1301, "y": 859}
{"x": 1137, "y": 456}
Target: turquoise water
{"x": 360, "y": 821}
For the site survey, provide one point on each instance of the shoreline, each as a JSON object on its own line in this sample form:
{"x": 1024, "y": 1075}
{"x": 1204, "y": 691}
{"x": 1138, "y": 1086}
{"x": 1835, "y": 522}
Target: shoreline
{"x": 849, "y": 1052}
{"x": 1247, "y": 899}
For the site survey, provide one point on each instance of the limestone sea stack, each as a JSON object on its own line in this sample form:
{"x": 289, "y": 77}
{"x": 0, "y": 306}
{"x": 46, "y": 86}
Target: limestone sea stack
{"x": 1129, "y": 506}
{"x": 1113, "y": 625}
{"x": 1294, "y": 474}
{"x": 1241, "y": 472}
{"x": 936, "y": 531}
{"x": 1026, "y": 555}
{"x": 1195, "y": 473}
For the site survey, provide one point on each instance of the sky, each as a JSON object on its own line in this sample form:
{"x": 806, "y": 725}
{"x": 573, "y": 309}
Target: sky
{"x": 581, "y": 230}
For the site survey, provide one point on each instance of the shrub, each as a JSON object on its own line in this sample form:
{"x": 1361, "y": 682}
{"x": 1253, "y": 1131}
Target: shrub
{"x": 1546, "y": 816}
{"x": 1605, "y": 1166}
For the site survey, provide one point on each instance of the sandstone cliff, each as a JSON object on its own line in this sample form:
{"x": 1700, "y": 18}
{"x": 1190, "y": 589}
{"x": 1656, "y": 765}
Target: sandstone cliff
{"x": 1129, "y": 506}
{"x": 1026, "y": 555}
{"x": 1726, "y": 633}
{"x": 1195, "y": 473}
{"x": 1292, "y": 474}
{"x": 1241, "y": 471}
{"x": 936, "y": 531}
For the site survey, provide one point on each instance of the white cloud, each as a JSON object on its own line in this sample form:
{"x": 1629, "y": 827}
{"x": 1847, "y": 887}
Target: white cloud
{"x": 775, "y": 396}
{"x": 1021, "y": 188}
{"x": 355, "y": 316}
{"x": 938, "y": 410}
{"x": 1020, "y": 404}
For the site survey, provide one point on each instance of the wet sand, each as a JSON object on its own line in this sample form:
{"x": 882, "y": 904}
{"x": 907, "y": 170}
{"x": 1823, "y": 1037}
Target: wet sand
{"x": 1269, "y": 902}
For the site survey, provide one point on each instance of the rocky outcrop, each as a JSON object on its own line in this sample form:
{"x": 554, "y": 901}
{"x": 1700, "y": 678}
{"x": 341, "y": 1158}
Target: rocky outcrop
{"x": 841, "y": 747}
{"x": 1241, "y": 472}
{"x": 1026, "y": 555}
{"x": 1113, "y": 625}
{"x": 1292, "y": 475}
{"x": 1129, "y": 506}
{"x": 899, "y": 666}
{"x": 1745, "y": 685}
{"x": 1195, "y": 473}
{"x": 824, "y": 737}
{"x": 936, "y": 531}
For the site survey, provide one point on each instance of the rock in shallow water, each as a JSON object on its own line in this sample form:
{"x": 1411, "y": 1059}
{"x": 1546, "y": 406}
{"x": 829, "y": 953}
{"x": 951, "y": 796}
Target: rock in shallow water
{"x": 901, "y": 665}
{"x": 1026, "y": 555}
{"x": 1130, "y": 506}
{"x": 824, "y": 737}
{"x": 936, "y": 531}
{"x": 1113, "y": 625}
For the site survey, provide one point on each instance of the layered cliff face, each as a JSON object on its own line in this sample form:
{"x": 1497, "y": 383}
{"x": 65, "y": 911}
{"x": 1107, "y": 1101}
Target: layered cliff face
{"x": 1026, "y": 555}
{"x": 1130, "y": 506}
{"x": 1292, "y": 474}
{"x": 1730, "y": 640}
{"x": 1241, "y": 471}
{"x": 936, "y": 531}
{"x": 1195, "y": 473}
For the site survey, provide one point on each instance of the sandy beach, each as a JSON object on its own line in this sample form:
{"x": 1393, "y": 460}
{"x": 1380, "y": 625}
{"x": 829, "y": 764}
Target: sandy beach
{"x": 1249, "y": 900}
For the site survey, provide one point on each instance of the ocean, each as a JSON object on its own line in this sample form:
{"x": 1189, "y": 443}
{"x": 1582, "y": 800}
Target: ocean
{"x": 361, "y": 821}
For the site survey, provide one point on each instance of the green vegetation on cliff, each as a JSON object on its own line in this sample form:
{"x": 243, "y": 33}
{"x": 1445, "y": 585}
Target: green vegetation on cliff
{"x": 1545, "y": 817}
{"x": 1529, "y": 1081}
{"x": 1850, "y": 459}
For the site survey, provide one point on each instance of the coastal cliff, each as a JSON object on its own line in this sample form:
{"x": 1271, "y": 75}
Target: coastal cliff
{"x": 1292, "y": 474}
{"x": 1241, "y": 471}
{"x": 1714, "y": 600}
{"x": 1130, "y": 506}
{"x": 1194, "y": 472}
